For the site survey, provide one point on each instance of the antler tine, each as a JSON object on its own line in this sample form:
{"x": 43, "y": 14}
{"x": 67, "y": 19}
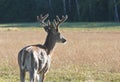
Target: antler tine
{"x": 54, "y": 21}
{"x": 49, "y": 23}
{"x": 42, "y": 19}
{"x": 58, "y": 19}
{"x": 65, "y": 17}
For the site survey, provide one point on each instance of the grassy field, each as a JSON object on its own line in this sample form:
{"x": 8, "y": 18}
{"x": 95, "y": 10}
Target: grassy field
{"x": 92, "y": 52}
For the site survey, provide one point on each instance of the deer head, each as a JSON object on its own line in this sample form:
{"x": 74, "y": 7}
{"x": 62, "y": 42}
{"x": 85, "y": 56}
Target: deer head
{"x": 52, "y": 28}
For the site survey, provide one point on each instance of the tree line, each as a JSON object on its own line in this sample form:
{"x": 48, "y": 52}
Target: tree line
{"x": 77, "y": 10}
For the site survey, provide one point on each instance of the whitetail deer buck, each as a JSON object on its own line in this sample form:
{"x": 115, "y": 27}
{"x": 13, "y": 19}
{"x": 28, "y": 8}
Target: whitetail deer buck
{"x": 36, "y": 59}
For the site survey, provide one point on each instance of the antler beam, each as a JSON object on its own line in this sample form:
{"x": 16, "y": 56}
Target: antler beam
{"x": 42, "y": 19}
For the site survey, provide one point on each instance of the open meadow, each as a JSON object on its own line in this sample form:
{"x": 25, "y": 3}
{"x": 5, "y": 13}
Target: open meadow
{"x": 92, "y": 52}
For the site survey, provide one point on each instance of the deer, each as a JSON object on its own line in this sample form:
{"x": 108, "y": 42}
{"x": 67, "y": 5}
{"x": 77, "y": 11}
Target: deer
{"x": 36, "y": 59}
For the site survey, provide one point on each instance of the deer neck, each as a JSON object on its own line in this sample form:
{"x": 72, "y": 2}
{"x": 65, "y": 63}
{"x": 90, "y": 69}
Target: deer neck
{"x": 50, "y": 43}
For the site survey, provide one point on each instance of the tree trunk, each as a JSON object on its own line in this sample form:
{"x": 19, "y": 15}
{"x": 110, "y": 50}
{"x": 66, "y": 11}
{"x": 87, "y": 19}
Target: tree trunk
{"x": 78, "y": 9}
{"x": 69, "y": 5}
{"x": 50, "y": 9}
{"x": 64, "y": 7}
{"x": 116, "y": 17}
{"x": 50, "y": 5}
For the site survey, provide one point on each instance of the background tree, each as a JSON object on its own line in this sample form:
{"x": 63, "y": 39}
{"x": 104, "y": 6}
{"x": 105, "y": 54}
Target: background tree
{"x": 77, "y": 10}
{"x": 116, "y": 11}
{"x": 64, "y": 6}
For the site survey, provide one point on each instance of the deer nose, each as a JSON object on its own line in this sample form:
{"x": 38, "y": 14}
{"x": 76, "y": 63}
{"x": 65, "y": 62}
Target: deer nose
{"x": 64, "y": 40}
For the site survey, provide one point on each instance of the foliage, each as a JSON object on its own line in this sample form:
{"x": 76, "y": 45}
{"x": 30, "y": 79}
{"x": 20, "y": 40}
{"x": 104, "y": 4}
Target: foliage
{"x": 89, "y": 10}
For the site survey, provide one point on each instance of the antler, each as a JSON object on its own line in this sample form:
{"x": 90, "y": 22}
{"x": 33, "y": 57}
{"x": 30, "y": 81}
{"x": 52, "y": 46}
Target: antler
{"x": 42, "y": 19}
{"x": 58, "y": 21}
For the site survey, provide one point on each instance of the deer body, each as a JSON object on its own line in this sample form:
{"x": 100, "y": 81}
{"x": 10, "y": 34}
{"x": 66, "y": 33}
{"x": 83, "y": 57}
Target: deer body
{"x": 36, "y": 59}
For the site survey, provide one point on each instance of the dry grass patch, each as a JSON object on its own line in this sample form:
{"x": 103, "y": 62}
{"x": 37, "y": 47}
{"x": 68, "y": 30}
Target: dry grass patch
{"x": 9, "y": 29}
{"x": 88, "y": 55}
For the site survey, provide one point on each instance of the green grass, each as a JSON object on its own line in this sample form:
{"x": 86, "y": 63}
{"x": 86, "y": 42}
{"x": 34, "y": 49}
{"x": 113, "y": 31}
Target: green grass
{"x": 73, "y": 74}
{"x": 92, "y": 24}
{"x": 68, "y": 25}
{"x": 81, "y": 26}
